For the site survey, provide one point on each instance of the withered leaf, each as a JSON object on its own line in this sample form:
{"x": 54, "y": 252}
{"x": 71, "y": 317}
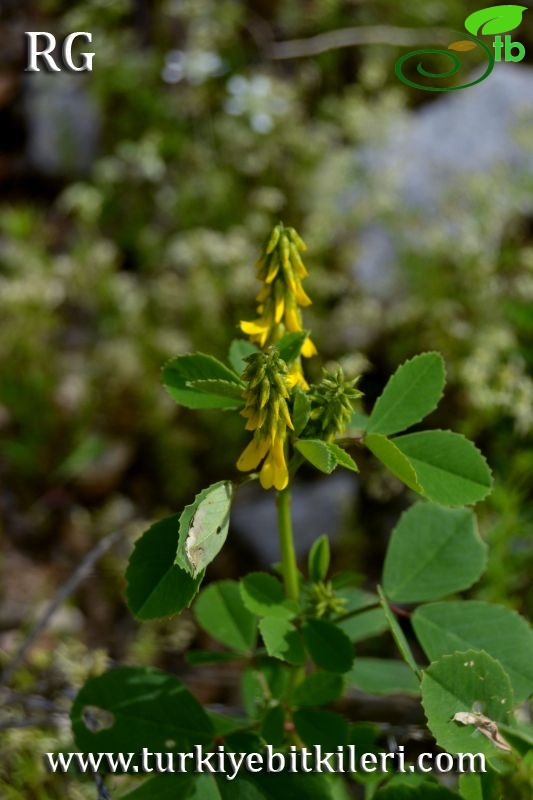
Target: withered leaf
{"x": 463, "y": 45}
{"x": 485, "y": 726}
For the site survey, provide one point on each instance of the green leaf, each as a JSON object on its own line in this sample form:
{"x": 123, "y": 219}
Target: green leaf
{"x": 410, "y": 394}
{"x": 290, "y": 786}
{"x": 239, "y": 350}
{"x": 325, "y": 456}
{"x": 263, "y": 594}
{"x": 355, "y": 598}
{"x": 395, "y": 461}
{"x": 282, "y": 640}
{"x": 262, "y": 683}
{"x": 142, "y": 707}
{"x": 273, "y": 726}
{"x": 342, "y": 458}
{"x": 164, "y": 787}
{"x": 365, "y": 625}
{"x": 318, "y": 560}
{"x": 479, "y": 786}
{"x": 317, "y": 453}
{"x": 318, "y": 727}
{"x": 218, "y": 388}
{"x": 423, "y": 791}
{"x": 156, "y": 586}
{"x": 442, "y": 628}
{"x": 450, "y": 469}
{"x": 290, "y": 345}
{"x": 179, "y": 372}
{"x": 398, "y": 635}
{"x": 206, "y": 787}
{"x": 318, "y": 689}
{"x": 220, "y": 611}
{"x": 328, "y": 646}
{"x": 383, "y": 676}
{"x": 433, "y": 552}
{"x": 493, "y": 20}
{"x": 301, "y": 410}
{"x": 203, "y": 527}
{"x": 471, "y": 682}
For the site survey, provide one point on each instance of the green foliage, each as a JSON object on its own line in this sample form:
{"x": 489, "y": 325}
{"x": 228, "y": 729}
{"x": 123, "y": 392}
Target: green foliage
{"x": 450, "y": 469}
{"x": 325, "y": 456}
{"x": 282, "y": 640}
{"x": 464, "y": 682}
{"x": 221, "y": 612}
{"x": 290, "y": 345}
{"x": 398, "y": 634}
{"x": 410, "y": 395}
{"x": 157, "y": 586}
{"x": 138, "y": 707}
{"x": 318, "y": 559}
{"x": 443, "y": 628}
{"x": 382, "y": 676}
{"x": 200, "y": 381}
{"x": 318, "y": 689}
{"x": 433, "y": 552}
{"x": 263, "y": 595}
{"x": 328, "y": 646}
{"x": 203, "y": 528}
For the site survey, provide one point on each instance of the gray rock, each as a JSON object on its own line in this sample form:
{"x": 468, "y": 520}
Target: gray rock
{"x": 318, "y": 508}
{"x": 62, "y": 122}
{"x": 437, "y": 161}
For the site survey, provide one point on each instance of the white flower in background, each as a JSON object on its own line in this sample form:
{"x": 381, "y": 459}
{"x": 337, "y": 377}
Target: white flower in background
{"x": 194, "y": 66}
{"x": 259, "y": 98}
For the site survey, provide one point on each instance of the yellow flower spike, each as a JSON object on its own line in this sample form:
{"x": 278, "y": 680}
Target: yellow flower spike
{"x": 252, "y": 455}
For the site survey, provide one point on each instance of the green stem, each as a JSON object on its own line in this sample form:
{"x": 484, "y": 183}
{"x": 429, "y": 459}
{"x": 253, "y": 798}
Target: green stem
{"x": 289, "y": 567}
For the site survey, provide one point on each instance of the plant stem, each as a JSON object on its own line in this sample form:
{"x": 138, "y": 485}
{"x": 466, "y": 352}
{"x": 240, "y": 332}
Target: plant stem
{"x": 289, "y": 567}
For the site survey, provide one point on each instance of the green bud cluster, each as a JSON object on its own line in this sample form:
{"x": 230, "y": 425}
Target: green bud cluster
{"x": 323, "y": 601}
{"x": 266, "y": 393}
{"x": 332, "y": 403}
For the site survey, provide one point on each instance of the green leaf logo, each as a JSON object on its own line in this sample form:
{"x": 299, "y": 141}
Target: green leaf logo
{"x": 493, "y": 20}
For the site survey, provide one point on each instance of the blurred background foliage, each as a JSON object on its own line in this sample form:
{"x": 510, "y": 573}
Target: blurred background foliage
{"x": 133, "y": 203}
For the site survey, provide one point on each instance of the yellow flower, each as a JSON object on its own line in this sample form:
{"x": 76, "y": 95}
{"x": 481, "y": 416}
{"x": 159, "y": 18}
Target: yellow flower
{"x": 281, "y": 270}
{"x": 267, "y": 414}
{"x": 274, "y": 472}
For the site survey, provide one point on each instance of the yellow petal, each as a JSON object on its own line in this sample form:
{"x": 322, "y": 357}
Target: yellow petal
{"x": 279, "y": 309}
{"x": 252, "y": 454}
{"x": 296, "y": 378}
{"x": 273, "y": 269}
{"x": 254, "y": 327}
{"x": 280, "y": 473}
{"x": 308, "y": 348}
{"x": 301, "y": 297}
{"x": 293, "y": 320}
{"x": 266, "y": 476}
